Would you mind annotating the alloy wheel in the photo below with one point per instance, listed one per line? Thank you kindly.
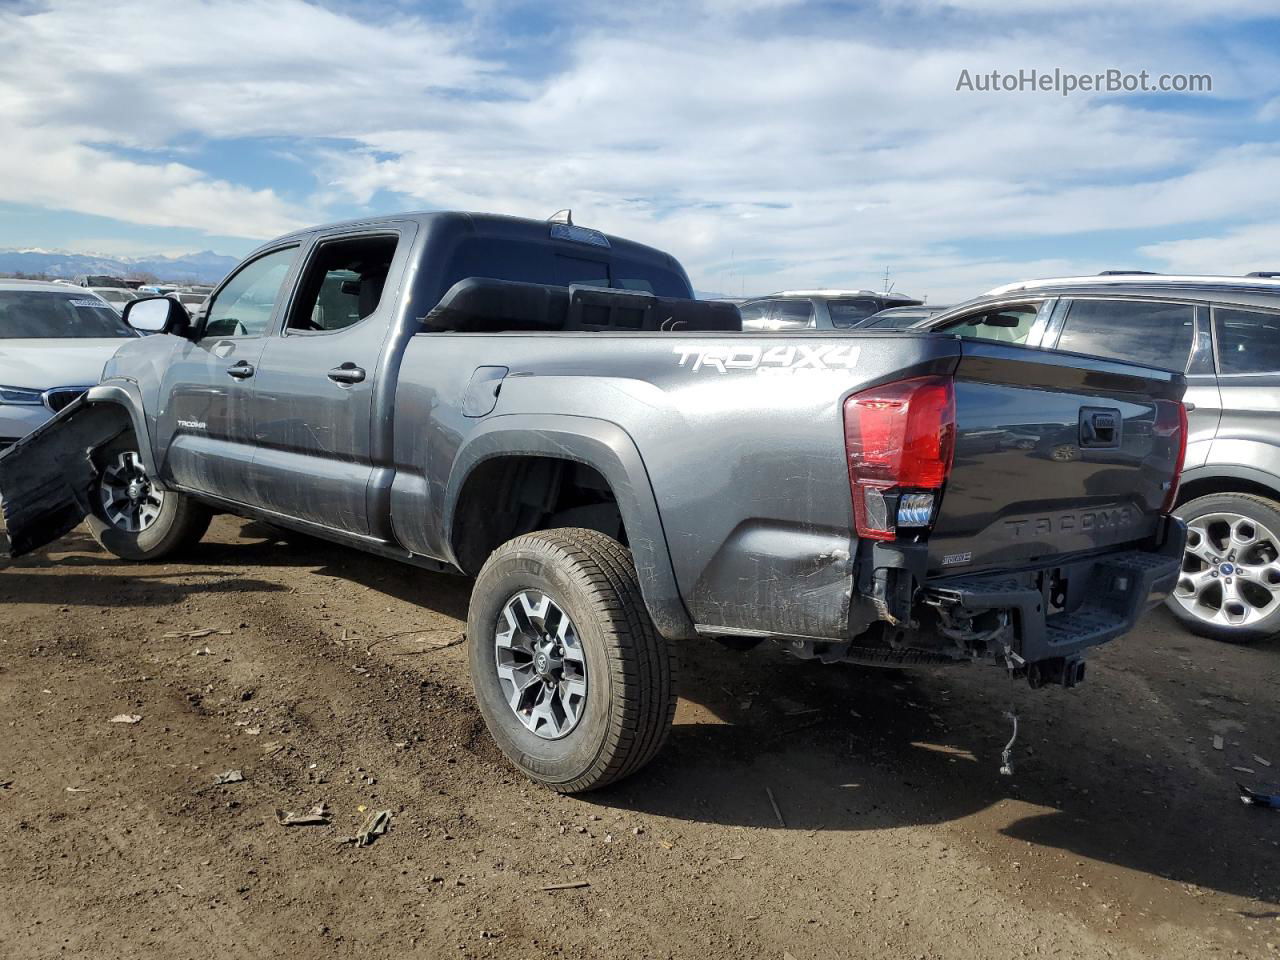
(1230, 571)
(130, 501)
(541, 666)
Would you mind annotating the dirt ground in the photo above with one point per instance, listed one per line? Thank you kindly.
(330, 678)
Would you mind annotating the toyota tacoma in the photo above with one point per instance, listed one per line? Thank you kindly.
(622, 469)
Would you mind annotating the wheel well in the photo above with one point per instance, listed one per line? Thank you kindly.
(508, 496)
(1205, 486)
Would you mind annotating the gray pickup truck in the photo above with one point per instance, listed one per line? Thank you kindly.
(545, 408)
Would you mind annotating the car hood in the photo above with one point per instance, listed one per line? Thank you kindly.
(44, 363)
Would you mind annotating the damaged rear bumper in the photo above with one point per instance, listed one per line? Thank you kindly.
(1042, 620)
(1038, 620)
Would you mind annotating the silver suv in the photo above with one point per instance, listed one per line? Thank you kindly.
(817, 309)
(1224, 333)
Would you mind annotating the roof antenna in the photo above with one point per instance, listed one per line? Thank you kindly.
(568, 217)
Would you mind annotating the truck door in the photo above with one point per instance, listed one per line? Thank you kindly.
(316, 417)
(204, 429)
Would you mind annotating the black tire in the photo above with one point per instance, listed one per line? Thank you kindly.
(1257, 510)
(631, 696)
(180, 524)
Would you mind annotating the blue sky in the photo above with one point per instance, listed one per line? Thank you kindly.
(766, 143)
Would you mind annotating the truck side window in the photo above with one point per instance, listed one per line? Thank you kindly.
(342, 284)
(1248, 340)
(243, 307)
(1157, 334)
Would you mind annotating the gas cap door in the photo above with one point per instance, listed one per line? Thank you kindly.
(482, 392)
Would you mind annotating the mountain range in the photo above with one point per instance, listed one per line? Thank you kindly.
(203, 267)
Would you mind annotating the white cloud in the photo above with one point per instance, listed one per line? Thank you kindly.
(1233, 252)
(66, 175)
(1179, 9)
(244, 68)
(722, 132)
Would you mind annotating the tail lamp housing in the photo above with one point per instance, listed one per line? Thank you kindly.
(1171, 422)
(900, 440)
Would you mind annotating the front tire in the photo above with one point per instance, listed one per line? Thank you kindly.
(132, 516)
(1229, 587)
(575, 683)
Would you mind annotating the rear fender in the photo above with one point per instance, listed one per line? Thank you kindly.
(611, 451)
(47, 476)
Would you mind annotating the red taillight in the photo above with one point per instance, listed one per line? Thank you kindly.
(899, 436)
(1171, 422)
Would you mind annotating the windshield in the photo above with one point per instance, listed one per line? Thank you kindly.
(40, 314)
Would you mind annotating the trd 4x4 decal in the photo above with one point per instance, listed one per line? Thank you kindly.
(756, 359)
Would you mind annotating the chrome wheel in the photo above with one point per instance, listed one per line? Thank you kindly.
(1230, 572)
(540, 663)
(130, 501)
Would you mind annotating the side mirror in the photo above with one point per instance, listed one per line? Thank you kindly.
(157, 315)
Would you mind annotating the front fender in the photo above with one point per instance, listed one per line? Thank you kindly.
(609, 449)
(126, 394)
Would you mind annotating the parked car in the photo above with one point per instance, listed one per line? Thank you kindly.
(547, 409)
(192, 301)
(896, 317)
(117, 297)
(1224, 333)
(99, 280)
(54, 341)
(817, 309)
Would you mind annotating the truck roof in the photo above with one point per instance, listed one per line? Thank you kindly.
(502, 226)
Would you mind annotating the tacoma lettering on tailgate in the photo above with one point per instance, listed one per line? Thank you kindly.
(1109, 518)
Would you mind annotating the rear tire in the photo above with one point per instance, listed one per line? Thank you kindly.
(155, 524)
(1229, 587)
(621, 664)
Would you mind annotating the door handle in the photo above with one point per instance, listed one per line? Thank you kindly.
(1099, 428)
(1190, 407)
(241, 371)
(347, 373)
